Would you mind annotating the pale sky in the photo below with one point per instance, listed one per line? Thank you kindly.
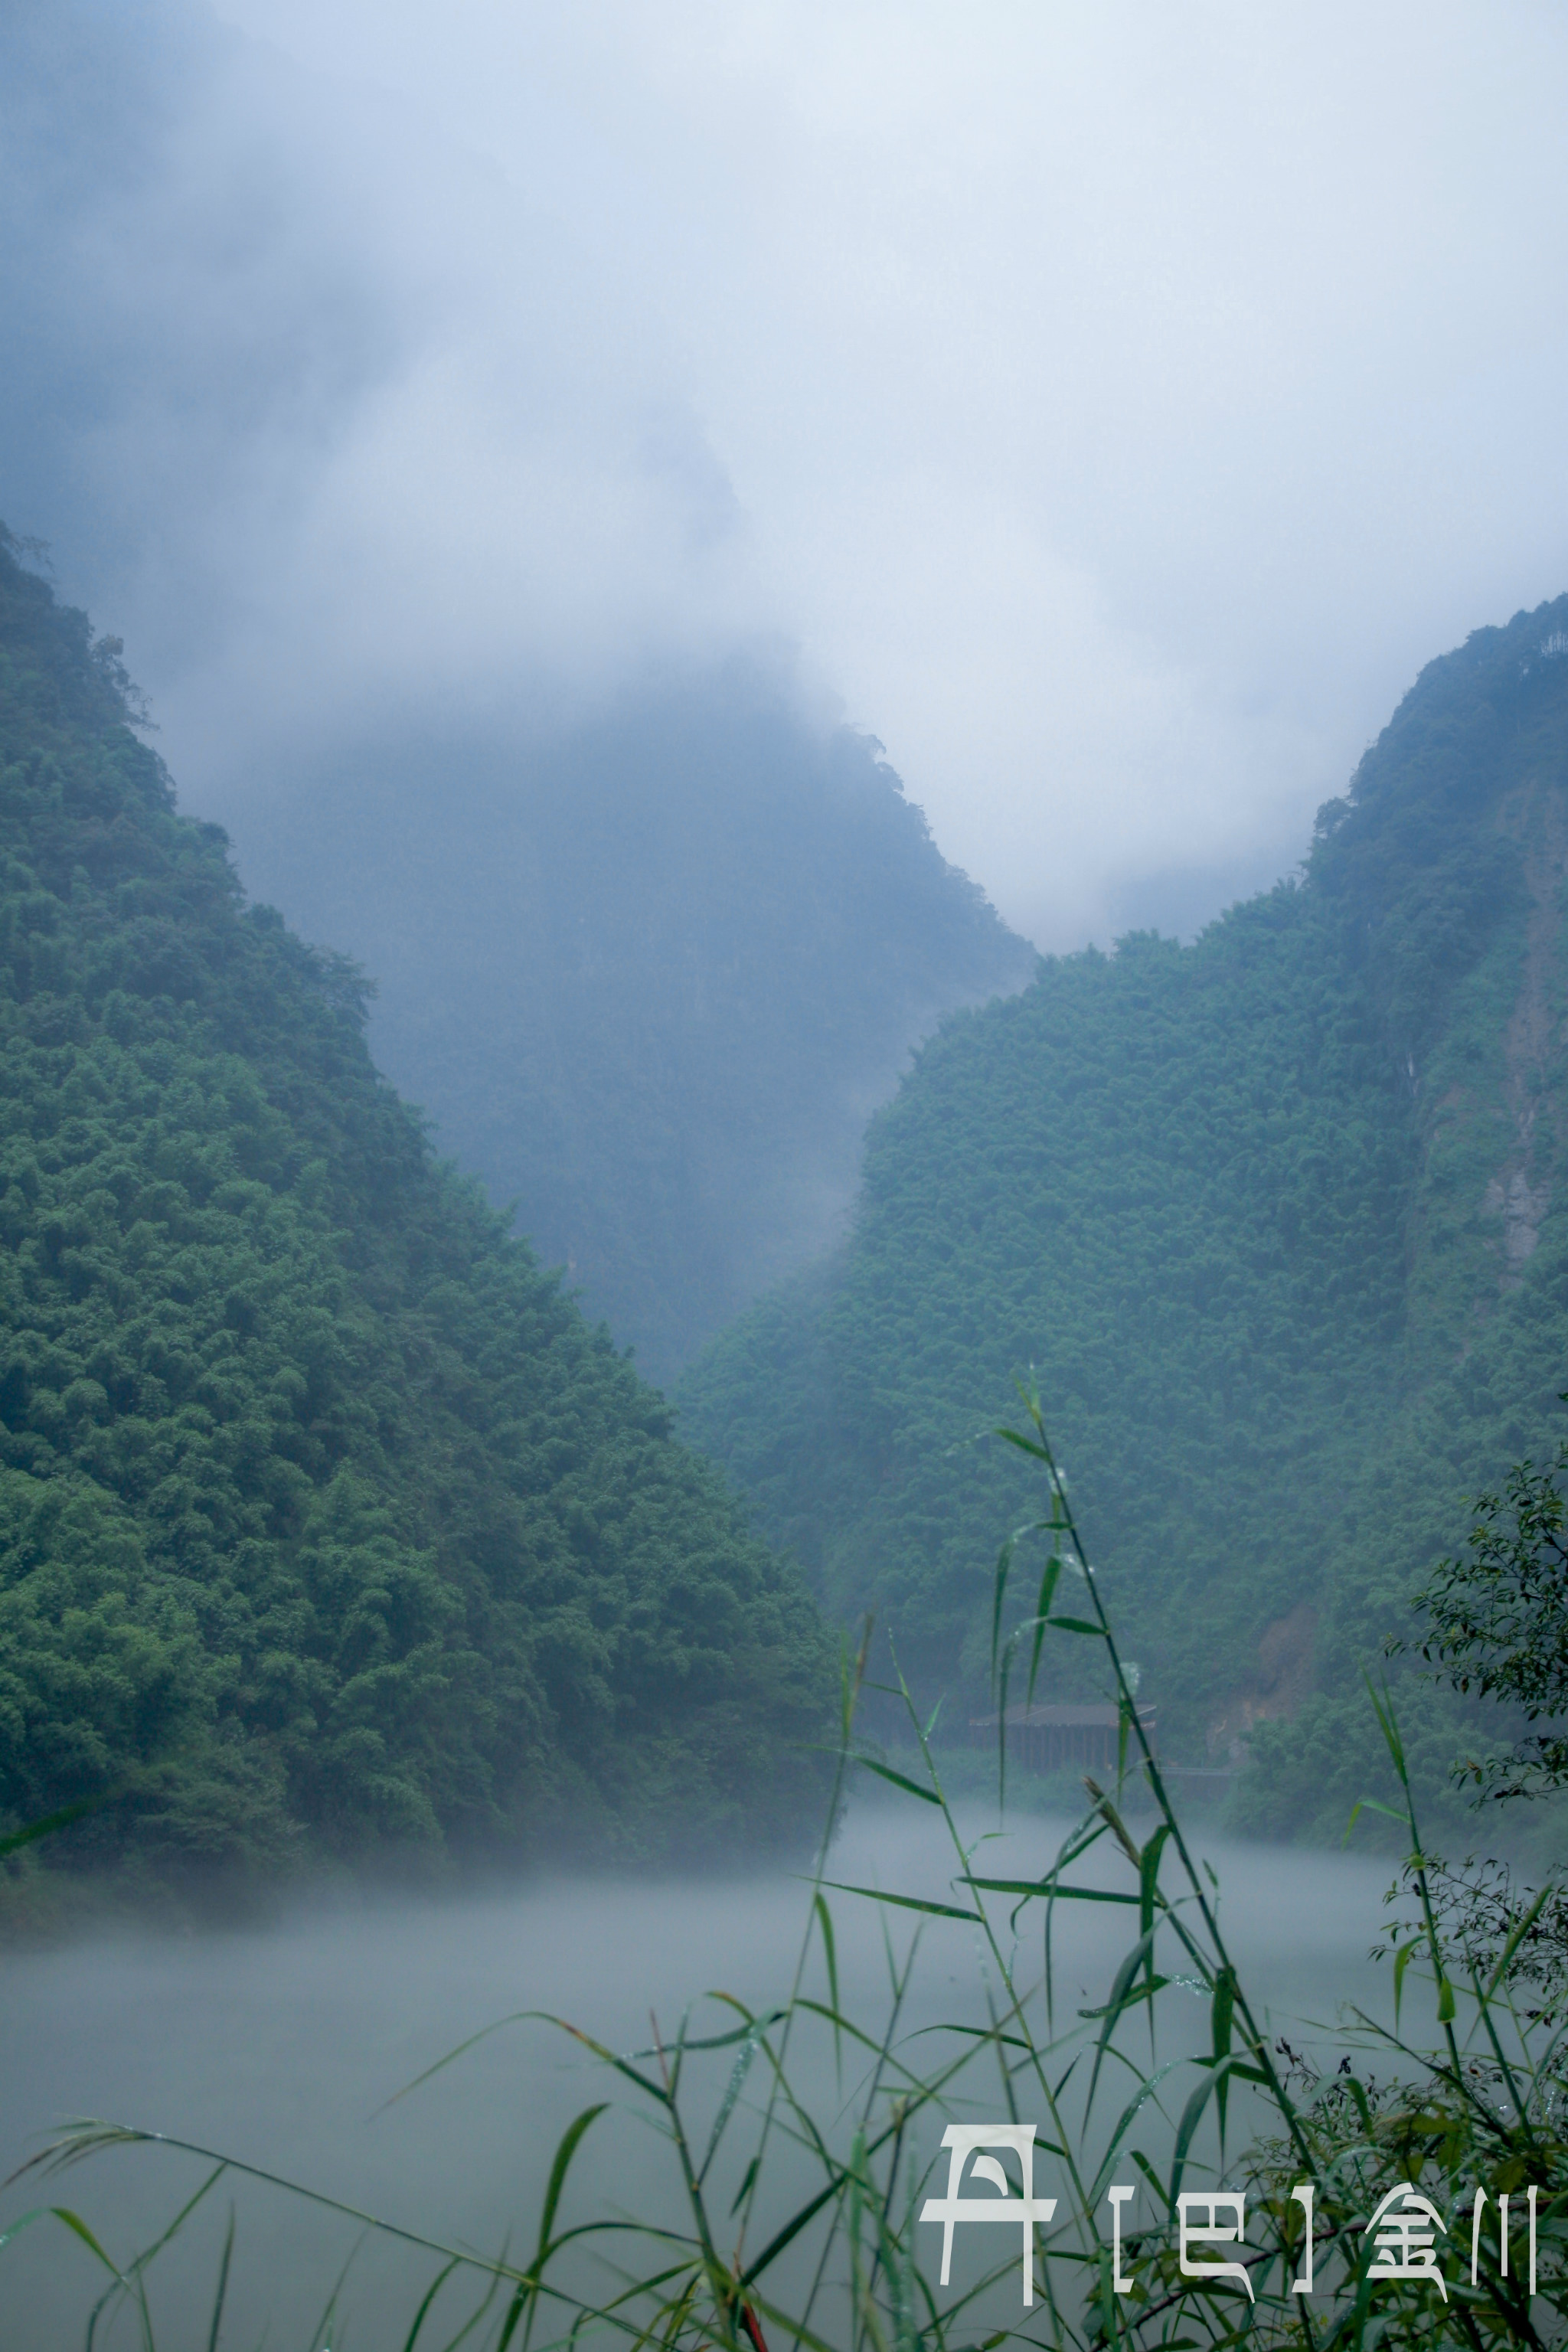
(1109, 406)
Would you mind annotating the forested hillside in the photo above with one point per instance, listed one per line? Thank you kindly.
(1276, 1217)
(649, 973)
(326, 1522)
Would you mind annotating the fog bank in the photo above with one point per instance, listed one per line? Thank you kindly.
(282, 2047)
(1112, 412)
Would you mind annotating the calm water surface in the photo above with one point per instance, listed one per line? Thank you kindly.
(280, 2045)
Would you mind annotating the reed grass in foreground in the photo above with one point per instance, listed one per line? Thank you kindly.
(794, 2214)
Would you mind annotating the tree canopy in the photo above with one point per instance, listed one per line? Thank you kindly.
(1276, 1218)
(327, 1524)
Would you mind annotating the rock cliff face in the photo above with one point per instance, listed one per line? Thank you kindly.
(1536, 817)
(1278, 1219)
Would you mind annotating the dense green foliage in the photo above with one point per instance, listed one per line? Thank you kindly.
(325, 1520)
(649, 975)
(1275, 1216)
(1496, 1624)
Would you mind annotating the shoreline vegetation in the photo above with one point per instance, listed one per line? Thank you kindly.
(1460, 2098)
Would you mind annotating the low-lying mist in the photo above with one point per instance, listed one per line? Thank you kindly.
(281, 2046)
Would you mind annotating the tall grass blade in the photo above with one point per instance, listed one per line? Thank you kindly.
(216, 2330)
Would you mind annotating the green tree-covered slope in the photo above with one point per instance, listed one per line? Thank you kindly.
(326, 1522)
(648, 974)
(1278, 1219)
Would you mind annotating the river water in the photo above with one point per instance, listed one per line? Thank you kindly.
(280, 2046)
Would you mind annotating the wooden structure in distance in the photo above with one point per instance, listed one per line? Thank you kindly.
(1050, 1739)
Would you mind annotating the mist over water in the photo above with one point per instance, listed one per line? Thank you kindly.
(279, 2045)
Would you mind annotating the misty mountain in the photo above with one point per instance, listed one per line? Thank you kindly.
(327, 1525)
(648, 974)
(1278, 1220)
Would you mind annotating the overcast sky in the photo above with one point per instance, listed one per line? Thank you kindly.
(1111, 406)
